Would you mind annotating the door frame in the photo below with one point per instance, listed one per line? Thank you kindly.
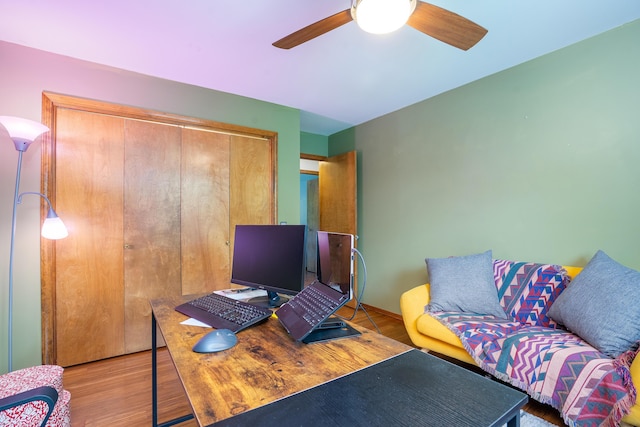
(51, 102)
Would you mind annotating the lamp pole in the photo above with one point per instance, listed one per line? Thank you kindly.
(13, 235)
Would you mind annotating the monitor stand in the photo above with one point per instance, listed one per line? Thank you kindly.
(272, 300)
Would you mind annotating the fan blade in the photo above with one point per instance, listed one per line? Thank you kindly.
(446, 26)
(314, 30)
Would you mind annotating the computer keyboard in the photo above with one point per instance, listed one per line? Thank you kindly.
(222, 312)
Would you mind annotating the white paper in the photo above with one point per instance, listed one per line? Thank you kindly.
(194, 322)
(243, 295)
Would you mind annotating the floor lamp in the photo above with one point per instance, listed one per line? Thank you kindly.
(23, 132)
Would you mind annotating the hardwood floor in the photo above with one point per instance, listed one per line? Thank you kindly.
(117, 392)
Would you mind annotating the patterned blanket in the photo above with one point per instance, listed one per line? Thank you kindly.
(532, 353)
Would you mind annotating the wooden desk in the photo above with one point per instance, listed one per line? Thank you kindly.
(266, 365)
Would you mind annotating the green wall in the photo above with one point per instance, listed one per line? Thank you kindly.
(342, 142)
(311, 143)
(25, 74)
(538, 163)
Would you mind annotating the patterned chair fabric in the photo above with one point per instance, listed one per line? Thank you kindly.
(34, 412)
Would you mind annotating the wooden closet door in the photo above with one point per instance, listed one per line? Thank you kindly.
(89, 294)
(205, 211)
(252, 182)
(151, 224)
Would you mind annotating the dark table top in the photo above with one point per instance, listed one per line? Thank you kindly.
(411, 389)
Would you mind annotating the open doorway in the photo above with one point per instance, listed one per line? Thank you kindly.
(309, 209)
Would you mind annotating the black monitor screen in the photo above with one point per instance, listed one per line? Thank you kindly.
(335, 261)
(270, 257)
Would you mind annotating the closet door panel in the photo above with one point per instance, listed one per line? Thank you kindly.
(252, 184)
(151, 224)
(205, 211)
(89, 294)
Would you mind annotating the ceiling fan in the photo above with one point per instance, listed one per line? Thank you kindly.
(432, 20)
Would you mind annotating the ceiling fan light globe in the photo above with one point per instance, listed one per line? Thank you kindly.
(382, 16)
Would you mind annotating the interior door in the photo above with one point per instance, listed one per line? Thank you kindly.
(338, 194)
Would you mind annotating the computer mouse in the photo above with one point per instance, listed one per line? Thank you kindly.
(218, 340)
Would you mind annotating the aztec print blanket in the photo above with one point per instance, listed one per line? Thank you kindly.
(534, 354)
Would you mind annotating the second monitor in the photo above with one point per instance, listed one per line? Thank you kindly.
(335, 261)
(270, 257)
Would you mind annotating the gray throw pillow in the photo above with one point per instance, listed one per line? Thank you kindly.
(601, 305)
(465, 284)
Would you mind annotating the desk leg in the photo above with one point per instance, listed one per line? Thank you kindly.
(154, 371)
(154, 382)
(515, 421)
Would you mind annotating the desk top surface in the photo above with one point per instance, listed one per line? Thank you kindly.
(266, 365)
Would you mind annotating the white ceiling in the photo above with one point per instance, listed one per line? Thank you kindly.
(338, 80)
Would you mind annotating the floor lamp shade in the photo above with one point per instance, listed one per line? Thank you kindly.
(22, 131)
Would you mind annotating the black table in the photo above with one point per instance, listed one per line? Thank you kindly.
(411, 389)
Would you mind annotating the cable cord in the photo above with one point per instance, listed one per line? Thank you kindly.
(361, 293)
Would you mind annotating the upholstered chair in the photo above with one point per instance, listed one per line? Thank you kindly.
(25, 396)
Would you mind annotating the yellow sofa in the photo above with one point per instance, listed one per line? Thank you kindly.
(428, 333)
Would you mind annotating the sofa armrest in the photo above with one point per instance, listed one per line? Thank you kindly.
(633, 417)
(635, 371)
(412, 304)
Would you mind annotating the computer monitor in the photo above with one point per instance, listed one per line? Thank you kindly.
(269, 257)
(335, 261)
